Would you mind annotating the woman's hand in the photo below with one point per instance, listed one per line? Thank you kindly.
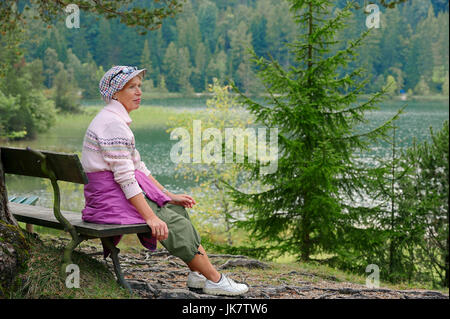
(182, 200)
(158, 227)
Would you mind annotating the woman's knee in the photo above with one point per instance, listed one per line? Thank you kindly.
(182, 242)
(180, 210)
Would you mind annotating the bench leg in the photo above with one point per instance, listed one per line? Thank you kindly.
(67, 257)
(107, 241)
(29, 228)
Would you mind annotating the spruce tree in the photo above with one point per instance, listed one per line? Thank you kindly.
(307, 207)
(423, 200)
(146, 61)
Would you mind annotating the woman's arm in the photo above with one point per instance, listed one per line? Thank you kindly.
(158, 227)
(182, 200)
(165, 191)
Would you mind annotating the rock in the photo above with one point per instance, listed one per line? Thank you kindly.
(248, 263)
(274, 290)
(143, 288)
(138, 285)
(177, 293)
(152, 290)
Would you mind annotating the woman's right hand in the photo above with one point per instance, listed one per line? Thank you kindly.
(158, 227)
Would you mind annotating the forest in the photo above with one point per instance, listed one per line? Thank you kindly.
(315, 98)
(210, 39)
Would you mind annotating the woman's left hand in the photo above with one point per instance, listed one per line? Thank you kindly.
(182, 200)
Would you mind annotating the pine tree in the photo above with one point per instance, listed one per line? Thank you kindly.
(104, 49)
(170, 68)
(184, 71)
(424, 200)
(198, 73)
(189, 35)
(305, 209)
(207, 16)
(146, 61)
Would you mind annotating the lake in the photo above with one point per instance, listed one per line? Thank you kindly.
(151, 121)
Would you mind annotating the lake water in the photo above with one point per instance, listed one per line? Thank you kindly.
(154, 143)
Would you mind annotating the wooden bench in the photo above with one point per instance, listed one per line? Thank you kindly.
(31, 200)
(62, 167)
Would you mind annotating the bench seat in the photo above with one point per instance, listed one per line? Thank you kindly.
(60, 167)
(43, 216)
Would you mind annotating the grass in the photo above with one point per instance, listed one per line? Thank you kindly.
(325, 271)
(68, 132)
(41, 279)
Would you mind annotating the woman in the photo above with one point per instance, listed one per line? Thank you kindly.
(121, 189)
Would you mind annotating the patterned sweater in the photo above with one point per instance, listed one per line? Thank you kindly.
(109, 146)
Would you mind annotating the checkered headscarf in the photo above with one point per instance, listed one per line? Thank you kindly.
(115, 79)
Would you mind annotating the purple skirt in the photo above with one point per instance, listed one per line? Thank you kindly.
(105, 203)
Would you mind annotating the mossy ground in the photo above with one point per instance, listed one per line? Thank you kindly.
(41, 278)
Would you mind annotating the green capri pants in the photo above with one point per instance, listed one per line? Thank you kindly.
(183, 240)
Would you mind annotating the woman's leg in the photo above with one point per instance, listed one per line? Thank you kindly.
(201, 264)
(184, 241)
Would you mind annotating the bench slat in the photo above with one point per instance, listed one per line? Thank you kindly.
(20, 199)
(67, 167)
(43, 216)
(31, 200)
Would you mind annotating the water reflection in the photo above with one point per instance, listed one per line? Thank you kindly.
(154, 144)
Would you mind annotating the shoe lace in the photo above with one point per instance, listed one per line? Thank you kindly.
(230, 281)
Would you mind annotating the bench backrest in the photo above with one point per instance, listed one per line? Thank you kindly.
(20, 161)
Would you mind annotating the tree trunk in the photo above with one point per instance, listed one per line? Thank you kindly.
(13, 245)
(4, 212)
(446, 278)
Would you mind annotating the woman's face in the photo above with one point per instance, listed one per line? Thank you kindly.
(130, 95)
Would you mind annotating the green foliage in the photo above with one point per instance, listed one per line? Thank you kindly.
(65, 95)
(413, 38)
(9, 108)
(25, 110)
(214, 212)
(146, 60)
(422, 87)
(13, 12)
(391, 86)
(304, 211)
(424, 199)
(404, 229)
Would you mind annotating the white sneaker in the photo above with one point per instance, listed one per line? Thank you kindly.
(225, 286)
(196, 280)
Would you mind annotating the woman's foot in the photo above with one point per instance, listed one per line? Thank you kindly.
(196, 280)
(226, 286)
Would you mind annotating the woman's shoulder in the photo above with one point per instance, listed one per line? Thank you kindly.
(107, 124)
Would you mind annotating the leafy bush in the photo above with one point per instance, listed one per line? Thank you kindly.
(24, 110)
